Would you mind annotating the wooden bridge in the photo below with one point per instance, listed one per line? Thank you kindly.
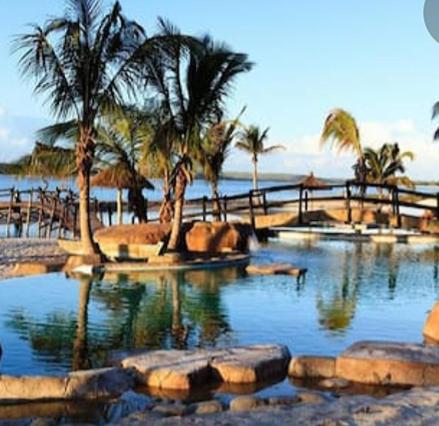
(55, 213)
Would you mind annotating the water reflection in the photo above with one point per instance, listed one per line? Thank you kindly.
(149, 310)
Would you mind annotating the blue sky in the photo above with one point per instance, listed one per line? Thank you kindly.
(374, 58)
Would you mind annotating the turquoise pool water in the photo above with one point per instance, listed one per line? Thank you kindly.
(353, 291)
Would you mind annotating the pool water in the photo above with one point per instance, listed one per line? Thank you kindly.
(353, 291)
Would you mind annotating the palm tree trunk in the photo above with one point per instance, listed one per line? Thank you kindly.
(180, 189)
(84, 161)
(255, 174)
(80, 361)
(216, 204)
(119, 206)
(165, 212)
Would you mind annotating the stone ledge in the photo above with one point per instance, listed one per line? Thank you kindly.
(312, 367)
(183, 370)
(90, 384)
(389, 363)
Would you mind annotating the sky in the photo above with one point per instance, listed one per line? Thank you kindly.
(373, 58)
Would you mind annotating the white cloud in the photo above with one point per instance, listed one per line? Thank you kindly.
(304, 154)
(4, 133)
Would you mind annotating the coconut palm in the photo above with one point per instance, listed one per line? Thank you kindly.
(83, 61)
(214, 151)
(383, 164)
(341, 130)
(252, 141)
(191, 81)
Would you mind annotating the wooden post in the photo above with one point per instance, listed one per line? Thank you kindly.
(306, 200)
(225, 207)
(397, 207)
(52, 216)
(204, 209)
(9, 217)
(251, 210)
(437, 205)
(41, 212)
(75, 219)
(348, 203)
(110, 213)
(29, 212)
(264, 203)
(146, 210)
(300, 205)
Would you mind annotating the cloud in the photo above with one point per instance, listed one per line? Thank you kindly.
(304, 153)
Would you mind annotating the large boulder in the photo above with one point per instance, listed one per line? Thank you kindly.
(142, 233)
(217, 237)
(431, 327)
(170, 369)
(389, 363)
(312, 367)
(90, 384)
(251, 364)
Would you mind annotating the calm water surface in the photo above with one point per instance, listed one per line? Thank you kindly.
(51, 324)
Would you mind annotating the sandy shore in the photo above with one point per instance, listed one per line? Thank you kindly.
(14, 251)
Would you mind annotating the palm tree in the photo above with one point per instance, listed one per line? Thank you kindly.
(383, 164)
(84, 62)
(252, 141)
(342, 131)
(214, 151)
(191, 82)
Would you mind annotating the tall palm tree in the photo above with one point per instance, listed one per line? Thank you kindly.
(83, 61)
(214, 151)
(383, 165)
(342, 131)
(252, 141)
(191, 81)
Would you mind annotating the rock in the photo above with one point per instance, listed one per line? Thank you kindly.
(141, 233)
(275, 269)
(208, 407)
(128, 403)
(245, 403)
(308, 397)
(431, 327)
(252, 363)
(389, 363)
(90, 384)
(171, 410)
(99, 383)
(27, 388)
(312, 367)
(334, 383)
(170, 369)
(218, 237)
(285, 401)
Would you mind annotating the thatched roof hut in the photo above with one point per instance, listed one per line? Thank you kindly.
(118, 177)
(311, 182)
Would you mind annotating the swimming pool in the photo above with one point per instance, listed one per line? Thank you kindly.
(353, 291)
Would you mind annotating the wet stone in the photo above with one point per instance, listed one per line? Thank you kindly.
(245, 403)
(208, 407)
(286, 401)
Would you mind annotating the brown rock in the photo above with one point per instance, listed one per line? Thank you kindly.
(334, 383)
(307, 397)
(431, 327)
(208, 407)
(170, 369)
(283, 401)
(27, 388)
(171, 410)
(245, 403)
(251, 364)
(142, 233)
(389, 363)
(217, 237)
(30, 268)
(96, 384)
(311, 367)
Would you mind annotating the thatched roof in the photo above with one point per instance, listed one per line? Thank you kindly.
(118, 177)
(311, 182)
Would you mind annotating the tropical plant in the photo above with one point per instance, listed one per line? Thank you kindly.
(84, 62)
(341, 130)
(252, 140)
(120, 140)
(191, 81)
(383, 165)
(215, 149)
